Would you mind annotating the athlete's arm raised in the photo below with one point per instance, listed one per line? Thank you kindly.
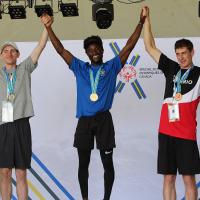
(39, 48)
(65, 54)
(125, 52)
(149, 41)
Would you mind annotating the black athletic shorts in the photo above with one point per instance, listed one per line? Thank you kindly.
(15, 144)
(177, 154)
(99, 126)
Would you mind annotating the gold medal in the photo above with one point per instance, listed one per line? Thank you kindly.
(94, 97)
(178, 96)
(11, 97)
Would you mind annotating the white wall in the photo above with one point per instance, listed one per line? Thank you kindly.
(136, 123)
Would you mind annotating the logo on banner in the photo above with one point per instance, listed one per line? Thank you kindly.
(128, 74)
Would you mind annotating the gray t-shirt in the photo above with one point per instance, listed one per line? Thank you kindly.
(22, 106)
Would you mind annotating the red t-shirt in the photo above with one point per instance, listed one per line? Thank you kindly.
(185, 128)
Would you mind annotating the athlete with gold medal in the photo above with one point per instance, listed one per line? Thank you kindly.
(96, 82)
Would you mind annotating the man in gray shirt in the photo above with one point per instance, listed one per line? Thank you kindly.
(15, 110)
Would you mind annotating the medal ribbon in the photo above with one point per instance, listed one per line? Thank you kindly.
(179, 80)
(10, 81)
(94, 82)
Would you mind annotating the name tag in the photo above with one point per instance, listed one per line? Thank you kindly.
(173, 112)
(7, 111)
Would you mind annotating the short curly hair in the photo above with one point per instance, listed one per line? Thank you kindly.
(92, 40)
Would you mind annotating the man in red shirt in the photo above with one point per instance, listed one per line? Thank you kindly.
(178, 150)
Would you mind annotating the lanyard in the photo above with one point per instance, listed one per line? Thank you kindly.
(94, 82)
(10, 81)
(179, 80)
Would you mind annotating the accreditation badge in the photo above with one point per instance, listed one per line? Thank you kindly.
(173, 112)
(7, 111)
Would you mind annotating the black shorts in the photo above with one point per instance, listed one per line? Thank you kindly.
(177, 154)
(100, 126)
(15, 144)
